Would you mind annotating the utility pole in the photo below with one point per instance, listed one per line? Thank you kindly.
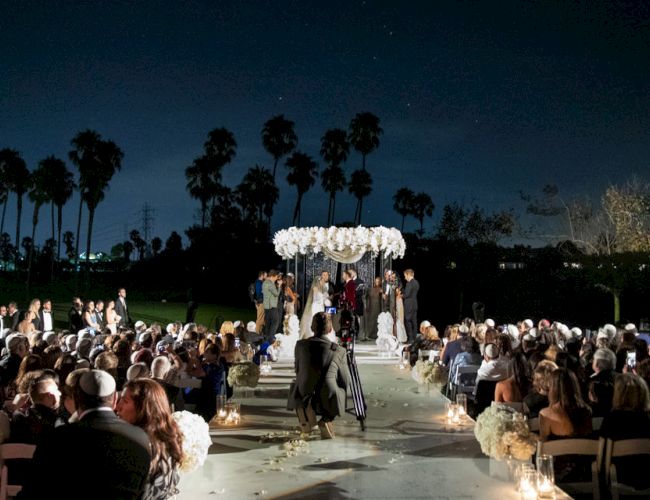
(148, 215)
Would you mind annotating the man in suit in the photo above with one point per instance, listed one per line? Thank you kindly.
(270, 294)
(410, 297)
(13, 316)
(75, 318)
(99, 314)
(121, 308)
(3, 318)
(99, 445)
(45, 318)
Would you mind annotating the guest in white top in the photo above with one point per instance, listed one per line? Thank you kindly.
(494, 367)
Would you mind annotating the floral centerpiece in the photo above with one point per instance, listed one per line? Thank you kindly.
(352, 240)
(196, 439)
(503, 433)
(245, 374)
(426, 372)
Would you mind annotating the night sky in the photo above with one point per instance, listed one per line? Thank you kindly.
(477, 100)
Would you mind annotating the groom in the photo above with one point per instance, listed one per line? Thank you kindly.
(410, 297)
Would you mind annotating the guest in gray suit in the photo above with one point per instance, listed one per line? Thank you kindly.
(322, 379)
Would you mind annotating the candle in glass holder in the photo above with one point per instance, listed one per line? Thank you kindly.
(451, 411)
(545, 476)
(528, 485)
(461, 401)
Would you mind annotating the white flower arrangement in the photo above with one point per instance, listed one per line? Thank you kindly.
(304, 240)
(196, 439)
(427, 372)
(502, 432)
(245, 374)
(386, 342)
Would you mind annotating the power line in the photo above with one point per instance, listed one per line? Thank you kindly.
(148, 220)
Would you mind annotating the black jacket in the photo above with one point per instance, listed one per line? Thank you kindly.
(122, 312)
(75, 320)
(107, 457)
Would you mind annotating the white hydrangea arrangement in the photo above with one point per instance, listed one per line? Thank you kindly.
(427, 372)
(245, 374)
(196, 439)
(502, 432)
(304, 240)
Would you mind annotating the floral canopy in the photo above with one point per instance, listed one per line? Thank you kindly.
(341, 244)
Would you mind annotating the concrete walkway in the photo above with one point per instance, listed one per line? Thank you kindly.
(408, 451)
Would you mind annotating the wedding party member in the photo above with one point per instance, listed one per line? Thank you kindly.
(359, 305)
(99, 314)
(45, 318)
(122, 309)
(317, 299)
(374, 299)
(410, 297)
(291, 297)
(75, 320)
(90, 317)
(97, 441)
(322, 379)
(271, 293)
(35, 307)
(144, 404)
(13, 316)
(26, 326)
(349, 297)
(112, 318)
(390, 285)
(259, 301)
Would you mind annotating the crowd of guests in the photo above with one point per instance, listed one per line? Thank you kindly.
(562, 376)
(98, 397)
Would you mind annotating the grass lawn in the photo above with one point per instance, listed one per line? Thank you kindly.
(167, 312)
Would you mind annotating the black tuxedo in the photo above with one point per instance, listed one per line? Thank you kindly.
(99, 315)
(122, 312)
(13, 320)
(410, 298)
(103, 456)
(41, 321)
(75, 319)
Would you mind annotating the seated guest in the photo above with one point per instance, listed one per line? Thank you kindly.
(160, 369)
(537, 398)
(42, 415)
(250, 336)
(98, 442)
(452, 347)
(230, 352)
(144, 404)
(136, 371)
(213, 381)
(470, 355)
(643, 370)
(567, 414)
(18, 348)
(629, 419)
(601, 383)
(494, 367)
(427, 341)
(515, 388)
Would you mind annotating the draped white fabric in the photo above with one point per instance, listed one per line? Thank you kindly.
(347, 256)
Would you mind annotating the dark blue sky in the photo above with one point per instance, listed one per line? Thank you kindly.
(478, 100)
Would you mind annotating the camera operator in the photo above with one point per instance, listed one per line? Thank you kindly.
(322, 379)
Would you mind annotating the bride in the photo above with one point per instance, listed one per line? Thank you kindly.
(317, 300)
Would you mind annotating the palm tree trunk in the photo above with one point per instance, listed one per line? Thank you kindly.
(363, 162)
(421, 226)
(4, 211)
(204, 208)
(37, 206)
(333, 208)
(76, 247)
(296, 211)
(58, 240)
(329, 211)
(53, 240)
(275, 166)
(19, 211)
(356, 212)
(360, 210)
(403, 217)
(91, 217)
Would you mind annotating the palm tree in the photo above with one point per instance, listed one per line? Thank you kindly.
(257, 193)
(17, 180)
(201, 184)
(403, 203)
(220, 149)
(97, 161)
(63, 186)
(39, 194)
(4, 188)
(138, 243)
(156, 245)
(68, 241)
(127, 247)
(335, 149)
(360, 186)
(364, 135)
(303, 171)
(422, 206)
(279, 138)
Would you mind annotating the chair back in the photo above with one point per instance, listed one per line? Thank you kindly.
(484, 394)
(12, 451)
(519, 407)
(624, 448)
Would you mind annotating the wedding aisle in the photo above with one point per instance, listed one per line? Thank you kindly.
(408, 450)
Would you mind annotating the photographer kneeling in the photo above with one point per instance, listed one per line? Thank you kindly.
(322, 379)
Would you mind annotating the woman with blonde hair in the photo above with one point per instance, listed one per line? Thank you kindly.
(630, 415)
(537, 398)
(26, 326)
(35, 307)
(429, 341)
(227, 327)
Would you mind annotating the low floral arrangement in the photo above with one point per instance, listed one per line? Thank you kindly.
(304, 240)
(502, 432)
(386, 342)
(427, 372)
(245, 374)
(196, 439)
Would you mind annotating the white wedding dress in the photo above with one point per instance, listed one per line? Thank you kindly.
(400, 329)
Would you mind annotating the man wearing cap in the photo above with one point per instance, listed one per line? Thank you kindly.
(108, 457)
(494, 367)
(250, 335)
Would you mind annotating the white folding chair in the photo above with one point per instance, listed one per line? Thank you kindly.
(624, 448)
(576, 446)
(12, 451)
(518, 407)
(463, 372)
